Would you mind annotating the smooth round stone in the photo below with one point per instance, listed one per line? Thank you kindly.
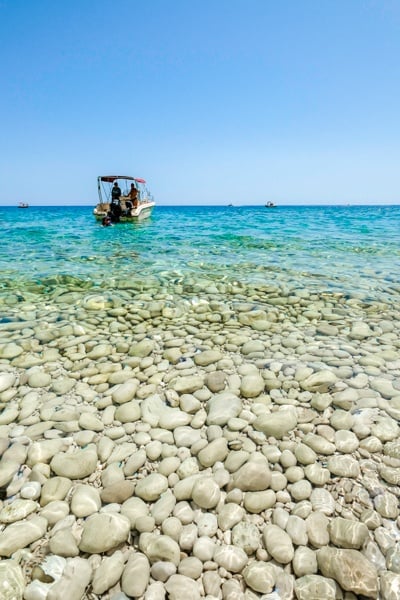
(260, 576)
(257, 502)
(151, 487)
(390, 475)
(341, 419)
(12, 582)
(322, 501)
(170, 418)
(207, 357)
(76, 465)
(108, 573)
(55, 488)
(235, 460)
(154, 450)
(188, 537)
(294, 474)
(371, 518)
(387, 505)
(384, 387)
(186, 436)
(212, 584)
(187, 384)
(393, 559)
(172, 527)
(85, 501)
(231, 558)
(317, 529)
(316, 474)
(230, 514)
(180, 587)
(142, 349)
(207, 524)
(276, 424)
(217, 450)
(343, 466)
(125, 391)
(136, 575)
(19, 535)
(304, 562)
(184, 512)
(346, 441)
(301, 490)
(389, 585)
(163, 507)
(134, 509)
(31, 490)
(206, 492)
(346, 533)
(315, 587)
(10, 351)
(385, 429)
(203, 548)
(297, 530)
(117, 492)
(319, 444)
(222, 407)
(252, 385)
(318, 382)
(252, 346)
(215, 381)
(246, 536)
(55, 511)
(17, 510)
(278, 544)
(39, 379)
(63, 543)
(253, 476)
(104, 531)
(7, 380)
(162, 570)
(350, 569)
(190, 567)
(160, 547)
(188, 467)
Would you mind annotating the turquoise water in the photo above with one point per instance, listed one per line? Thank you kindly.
(349, 250)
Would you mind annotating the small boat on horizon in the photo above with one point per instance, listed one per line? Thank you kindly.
(23, 205)
(123, 198)
(270, 205)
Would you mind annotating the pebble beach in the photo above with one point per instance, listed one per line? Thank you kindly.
(200, 410)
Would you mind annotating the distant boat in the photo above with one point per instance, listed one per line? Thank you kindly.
(270, 205)
(125, 208)
(23, 205)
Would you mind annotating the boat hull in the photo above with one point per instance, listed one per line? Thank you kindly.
(143, 211)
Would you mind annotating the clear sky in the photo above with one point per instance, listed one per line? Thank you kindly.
(211, 101)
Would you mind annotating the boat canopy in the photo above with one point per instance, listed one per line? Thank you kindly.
(112, 178)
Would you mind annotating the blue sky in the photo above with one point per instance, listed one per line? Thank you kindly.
(211, 101)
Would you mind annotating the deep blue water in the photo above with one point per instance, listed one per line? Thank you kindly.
(354, 250)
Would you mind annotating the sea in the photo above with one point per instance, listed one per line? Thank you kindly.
(349, 250)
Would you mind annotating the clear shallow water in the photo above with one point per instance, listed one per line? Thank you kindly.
(348, 250)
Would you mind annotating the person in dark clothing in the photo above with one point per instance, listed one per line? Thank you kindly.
(115, 193)
(115, 206)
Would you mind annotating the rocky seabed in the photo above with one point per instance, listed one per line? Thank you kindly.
(236, 445)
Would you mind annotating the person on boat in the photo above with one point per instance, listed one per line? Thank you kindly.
(116, 211)
(115, 193)
(133, 195)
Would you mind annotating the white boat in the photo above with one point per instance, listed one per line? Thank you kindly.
(23, 205)
(133, 201)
